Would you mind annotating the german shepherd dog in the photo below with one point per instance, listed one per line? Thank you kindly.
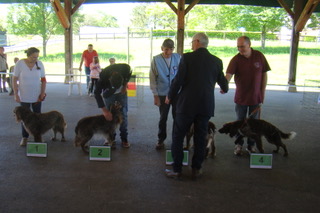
(210, 140)
(87, 127)
(255, 129)
(37, 124)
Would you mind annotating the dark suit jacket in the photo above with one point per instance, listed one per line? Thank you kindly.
(193, 87)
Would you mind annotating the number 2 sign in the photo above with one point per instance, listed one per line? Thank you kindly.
(100, 153)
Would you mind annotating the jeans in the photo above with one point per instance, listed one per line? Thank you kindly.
(87, 70)
(36, 107)
(164, 111)
(181, 125)
(123, 100)
(242, 111)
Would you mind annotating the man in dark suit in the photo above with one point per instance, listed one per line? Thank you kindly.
(193, 90)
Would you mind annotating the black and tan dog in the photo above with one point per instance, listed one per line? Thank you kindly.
(87, 127)
(255, 129)
(210, 140)
(36, 124)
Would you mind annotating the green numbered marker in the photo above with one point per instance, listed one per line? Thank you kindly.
(100, 153)
(261, 161)
(36, 149)
(185, 161)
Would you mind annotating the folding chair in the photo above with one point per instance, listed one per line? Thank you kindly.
(74, 79)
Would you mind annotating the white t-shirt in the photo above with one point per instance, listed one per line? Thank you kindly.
(29, 80)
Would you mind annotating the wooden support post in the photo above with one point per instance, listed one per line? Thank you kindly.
(298, 8)
(180, 32)
(68, 40)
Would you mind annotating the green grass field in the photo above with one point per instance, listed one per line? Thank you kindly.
(141, 50)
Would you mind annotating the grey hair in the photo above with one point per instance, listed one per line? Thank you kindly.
(203, 39)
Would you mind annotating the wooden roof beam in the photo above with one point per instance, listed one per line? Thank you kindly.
(175, 10)
(287, 8)
(305, 15)
(62, 16)
(76, 7)
(193, 3)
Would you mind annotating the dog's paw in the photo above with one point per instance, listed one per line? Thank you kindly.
(53, 138)
(63, 140)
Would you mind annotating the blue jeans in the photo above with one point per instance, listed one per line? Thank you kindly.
(123, 100)
(36, 107)
(164, 111)
(242, 112)
(87, 69)
(181, 125)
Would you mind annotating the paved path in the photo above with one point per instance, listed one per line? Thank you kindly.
(134, 180)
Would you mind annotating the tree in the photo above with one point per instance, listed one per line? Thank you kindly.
(100, 19)
(139, 16)
(252, 18)
(160, 15)
(156, 15)
(203, 17)
(35, 19)
(314, 21)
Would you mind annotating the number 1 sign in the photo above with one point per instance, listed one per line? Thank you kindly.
(36, 149)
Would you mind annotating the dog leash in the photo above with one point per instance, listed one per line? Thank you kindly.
(245, 120)
(256, 110)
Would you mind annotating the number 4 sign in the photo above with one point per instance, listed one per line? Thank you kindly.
(261, 161)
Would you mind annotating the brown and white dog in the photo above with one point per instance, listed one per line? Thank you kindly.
(210, 140)
(36, 124)
(255, 129)
(87, 127)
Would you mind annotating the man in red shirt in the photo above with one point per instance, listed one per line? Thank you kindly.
(87, 57)
(249, 68)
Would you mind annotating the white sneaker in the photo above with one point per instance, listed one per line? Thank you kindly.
(23, 141)
(251, 149)
(238, 149)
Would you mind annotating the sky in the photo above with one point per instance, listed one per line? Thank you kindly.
(119, 10)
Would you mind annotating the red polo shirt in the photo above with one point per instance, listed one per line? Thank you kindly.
(248, 77)
(88, 57)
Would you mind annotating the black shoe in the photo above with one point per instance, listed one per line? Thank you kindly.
(196, 173)
(172, 174)
(160, 145)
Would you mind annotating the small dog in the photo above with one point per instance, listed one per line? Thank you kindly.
(210, 148)
(37, 124)
(255, 129)
(87, 127)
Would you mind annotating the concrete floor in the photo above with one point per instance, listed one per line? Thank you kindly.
(134, 180)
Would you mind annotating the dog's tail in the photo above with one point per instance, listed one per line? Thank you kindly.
(288, 136)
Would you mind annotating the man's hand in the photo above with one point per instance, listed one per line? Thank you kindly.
(17, 98)
(156, 100)
(167, 101)
(107, 114)
(124, 90)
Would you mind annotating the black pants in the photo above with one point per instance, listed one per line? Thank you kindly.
(164, 111)
(181, 125)
(92, 85)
